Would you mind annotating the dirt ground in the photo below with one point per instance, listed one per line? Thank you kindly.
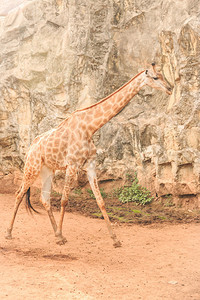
(157, 261)
(159, 210)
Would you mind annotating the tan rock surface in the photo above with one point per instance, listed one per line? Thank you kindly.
(57, 56)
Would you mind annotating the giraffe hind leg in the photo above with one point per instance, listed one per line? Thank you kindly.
(28, 179)
(70, 177)
(19, 197)
(46, 177)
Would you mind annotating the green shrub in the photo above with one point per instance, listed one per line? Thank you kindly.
(78, 191)
(103, 193)
(135, 193)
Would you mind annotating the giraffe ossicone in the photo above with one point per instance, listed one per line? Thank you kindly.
(69, 147)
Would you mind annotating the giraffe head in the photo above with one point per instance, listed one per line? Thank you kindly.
(156, 80)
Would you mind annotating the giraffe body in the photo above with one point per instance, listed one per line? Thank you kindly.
(69, 147)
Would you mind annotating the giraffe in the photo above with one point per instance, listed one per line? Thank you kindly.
(69, 147)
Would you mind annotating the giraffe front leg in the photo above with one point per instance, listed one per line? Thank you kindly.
(69, 178)
(95, 188)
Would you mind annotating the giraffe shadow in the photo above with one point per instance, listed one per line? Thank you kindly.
(36, 253)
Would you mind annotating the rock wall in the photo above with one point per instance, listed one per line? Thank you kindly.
(57, 55)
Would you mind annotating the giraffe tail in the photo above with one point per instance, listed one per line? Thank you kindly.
(29, 207)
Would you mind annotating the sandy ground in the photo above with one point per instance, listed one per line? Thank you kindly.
(155, 262)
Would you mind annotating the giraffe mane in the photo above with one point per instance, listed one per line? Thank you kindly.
(102, 100)
(95, 104)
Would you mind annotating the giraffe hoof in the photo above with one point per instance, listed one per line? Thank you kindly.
(8, 236)
(61, 240)
(117, 244)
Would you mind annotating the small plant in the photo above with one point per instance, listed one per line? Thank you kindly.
(168, 201)
(103, 193)
(78, 191)
(116, 192)
(55, 194)
(161, 217)
(136, 211)
(135, 193)
(129, 177)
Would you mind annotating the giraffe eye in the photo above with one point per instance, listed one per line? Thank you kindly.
(155, 78)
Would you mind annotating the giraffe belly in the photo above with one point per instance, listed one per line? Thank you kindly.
(59, 154)
(54, 163)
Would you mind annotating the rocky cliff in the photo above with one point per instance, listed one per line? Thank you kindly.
(58, 55)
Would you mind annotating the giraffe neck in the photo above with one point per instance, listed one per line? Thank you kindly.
(100, 113)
